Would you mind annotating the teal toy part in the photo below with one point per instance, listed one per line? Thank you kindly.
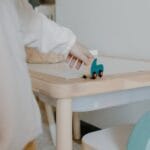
(140, 136)
(96, 68)
(34, 3)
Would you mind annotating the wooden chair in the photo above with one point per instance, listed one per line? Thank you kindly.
(115, 138)
(126, 137)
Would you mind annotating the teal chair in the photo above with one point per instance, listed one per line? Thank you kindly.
(140, 135)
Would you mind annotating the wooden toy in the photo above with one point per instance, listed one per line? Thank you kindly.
(94, 70)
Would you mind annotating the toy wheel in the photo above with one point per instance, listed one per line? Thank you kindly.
(84, 77)
(100, 74)
(94, 75)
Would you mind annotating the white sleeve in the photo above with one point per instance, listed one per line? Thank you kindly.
(42, 33)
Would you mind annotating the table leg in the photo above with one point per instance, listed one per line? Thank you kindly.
(76, 126)
(51, 122)
(64, 124)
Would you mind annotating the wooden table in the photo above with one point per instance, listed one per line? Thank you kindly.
(120, 75)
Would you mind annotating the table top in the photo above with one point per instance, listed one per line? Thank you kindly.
(58, 81)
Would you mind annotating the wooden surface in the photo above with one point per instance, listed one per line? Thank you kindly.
(120, 74)
(31, 146)
(64, 124)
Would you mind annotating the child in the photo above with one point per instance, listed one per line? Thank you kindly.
(21, 27)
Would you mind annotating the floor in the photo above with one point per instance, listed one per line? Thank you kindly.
(44, 141)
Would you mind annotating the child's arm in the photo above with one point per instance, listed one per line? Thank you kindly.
(45, 35)
(41, 33)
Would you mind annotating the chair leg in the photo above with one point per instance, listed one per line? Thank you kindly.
(31, 146)
(76, 126)
(51, 121)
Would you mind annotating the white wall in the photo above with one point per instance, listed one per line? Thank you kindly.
(118, 115)
(120, 27)
(116, 27)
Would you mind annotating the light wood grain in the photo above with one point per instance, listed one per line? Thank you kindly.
(64, 124)
(31, 146)
(76, 126)
(34, 56)
(59, 88)
(115, 79)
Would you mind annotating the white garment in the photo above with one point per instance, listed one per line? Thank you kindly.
(20, 26)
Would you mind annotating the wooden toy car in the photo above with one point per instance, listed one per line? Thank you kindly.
(94, 70)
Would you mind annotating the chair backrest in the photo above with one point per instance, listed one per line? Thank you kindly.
(140, 136)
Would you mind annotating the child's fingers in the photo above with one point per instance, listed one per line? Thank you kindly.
(73, 61)
(88, 54)
(69, 58)
(78, 65)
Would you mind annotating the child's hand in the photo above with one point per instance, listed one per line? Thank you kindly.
(78, 55)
